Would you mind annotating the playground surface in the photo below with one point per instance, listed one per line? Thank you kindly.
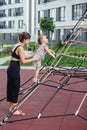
(59, 113)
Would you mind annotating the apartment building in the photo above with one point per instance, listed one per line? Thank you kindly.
(24, 15)
(65, 14)
(16, 16)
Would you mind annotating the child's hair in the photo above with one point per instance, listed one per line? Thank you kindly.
(24, 35)
(39, 39)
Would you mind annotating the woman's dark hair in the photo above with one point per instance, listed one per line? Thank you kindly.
(24, 35)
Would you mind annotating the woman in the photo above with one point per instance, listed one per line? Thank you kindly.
(13, 71)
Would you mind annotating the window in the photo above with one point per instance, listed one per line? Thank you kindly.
(6, 12)
(61, 34)
(18, 1)
(38, 32)
(11, 24)
(15, 1)
(11, 36)
(11, 12)
(20, 24)
(51, 0)
(2, 24)
(38, 1)
(45, 1)
(2, 13)
(21, 10)
(57, 34)
(4, 36)
(60, 14)
(40, 15)
(47, 13)
(41, 1)
(2, 2)
(67, 33)
(77, 11)
(82, 37)
(12, 1)
(9, 1)
(18, 11)
(53, 14)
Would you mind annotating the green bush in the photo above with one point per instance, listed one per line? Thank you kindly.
(60, 44)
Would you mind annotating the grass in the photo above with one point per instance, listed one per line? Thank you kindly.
(69, 62)
(5, 49)
(65, 61)
(4, 55)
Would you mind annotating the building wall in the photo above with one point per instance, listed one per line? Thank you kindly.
(11, 19)
(28, 21)
(29, 17)
(13, 24)
(62, 26)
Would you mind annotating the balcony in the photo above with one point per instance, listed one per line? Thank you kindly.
(2, 3)
(2, 15)
(45, 1)
(3, 27)
(18, 14)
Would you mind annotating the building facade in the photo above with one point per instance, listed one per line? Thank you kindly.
(24, 15)
(64, 13)
(16, 16)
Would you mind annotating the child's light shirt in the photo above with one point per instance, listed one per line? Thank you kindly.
(40, 51)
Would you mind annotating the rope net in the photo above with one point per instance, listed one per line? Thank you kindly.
(69, 70)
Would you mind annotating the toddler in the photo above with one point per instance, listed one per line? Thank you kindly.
(40, 54)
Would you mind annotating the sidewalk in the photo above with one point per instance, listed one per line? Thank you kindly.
(4, 59)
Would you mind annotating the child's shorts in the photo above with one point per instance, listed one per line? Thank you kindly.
(37, 63)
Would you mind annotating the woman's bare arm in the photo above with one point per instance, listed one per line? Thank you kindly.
(29, 55)
(22, 56)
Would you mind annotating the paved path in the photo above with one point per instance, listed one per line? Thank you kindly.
(4, 59)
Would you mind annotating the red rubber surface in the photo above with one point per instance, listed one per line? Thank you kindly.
(63, 103)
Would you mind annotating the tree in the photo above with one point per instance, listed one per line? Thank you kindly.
(47, 26)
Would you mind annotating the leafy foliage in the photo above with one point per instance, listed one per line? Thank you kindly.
(47, 25)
